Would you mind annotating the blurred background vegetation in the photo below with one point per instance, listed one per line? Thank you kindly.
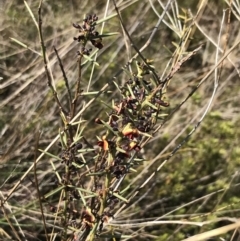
(199, 183)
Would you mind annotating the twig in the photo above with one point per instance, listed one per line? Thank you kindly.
(134, 46)
(37, 185)
(77, 91)
(49, 79)
(218, 74)
(64, 75)
(156, 27)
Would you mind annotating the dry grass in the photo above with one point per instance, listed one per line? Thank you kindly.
(207, 83)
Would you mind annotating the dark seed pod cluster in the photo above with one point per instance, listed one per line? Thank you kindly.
(131, 118)
(69, 155)
(87, 33)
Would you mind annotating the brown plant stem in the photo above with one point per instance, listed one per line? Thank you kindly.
(43, 47)
(64, 76)
(78, 84)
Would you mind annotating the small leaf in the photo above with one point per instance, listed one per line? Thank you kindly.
(146, 102)
(145, 134)
(63, 139)
(138, 160)
(117, 86)
(120, 197)
(57, 174)
(175, 44)
(106, 35)
(131, 92)
(81, 189)
(162, 115)
(53, 192)
(132, 169)
(85, 150)
(78, 166)
(90, 59)
(49, 154)
(110, 107)
(92, 55)
(109, 128)
(121, 150)
(95, 93)
(105, 19)
(96, 174)
(25, 46)
(78, 122)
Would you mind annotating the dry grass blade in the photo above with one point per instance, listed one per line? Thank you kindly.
(31, 14)
(121, 156)
(25, 46)
(37, 184)
(5, 209)
(64, 75)
(213, 233)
